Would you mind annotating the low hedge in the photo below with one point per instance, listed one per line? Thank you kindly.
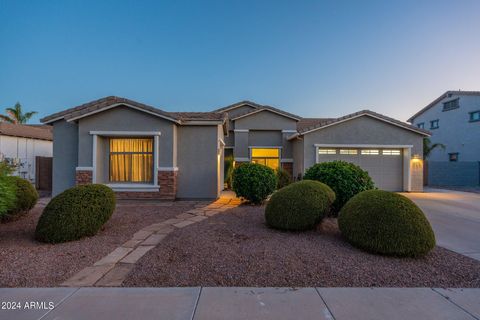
(283, 178)
(299, 206)
(386, 223)
(76, 213)
(254, 182)
(25, 197)
(346, 180)
(7, 196)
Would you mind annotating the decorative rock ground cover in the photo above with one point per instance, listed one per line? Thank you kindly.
(112, 269)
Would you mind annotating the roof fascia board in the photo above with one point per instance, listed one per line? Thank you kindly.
(358, 116)
(121, 104)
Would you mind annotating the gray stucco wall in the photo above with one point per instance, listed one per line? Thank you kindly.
(65, 155)
(241, 145)
(126, 119)
(197, 162)
(236, 112)
(266, 121)
(265, 138)
(362, 130)
(298, 154)
(455, 130)
(443, 173)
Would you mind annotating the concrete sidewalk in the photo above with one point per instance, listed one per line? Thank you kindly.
(240, 303)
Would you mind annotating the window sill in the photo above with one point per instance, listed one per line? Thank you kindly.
(133, 187)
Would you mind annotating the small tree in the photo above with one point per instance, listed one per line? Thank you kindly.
(428, 147)
(16, 115)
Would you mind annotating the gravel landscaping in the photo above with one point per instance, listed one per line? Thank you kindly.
(237, 249)
(25, 262)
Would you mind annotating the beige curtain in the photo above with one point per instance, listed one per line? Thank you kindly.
(131, 160)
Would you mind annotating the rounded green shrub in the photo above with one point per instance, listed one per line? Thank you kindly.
(25, 194)
(283, 178)
(7, 196)
(386, 223)
(254, 182)
(76, 213)
(299, 206)
(346, 180)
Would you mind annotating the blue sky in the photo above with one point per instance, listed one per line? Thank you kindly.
(312, 58)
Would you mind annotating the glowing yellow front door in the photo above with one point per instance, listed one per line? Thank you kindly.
(269, 157)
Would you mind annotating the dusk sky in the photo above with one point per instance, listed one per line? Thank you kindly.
(312, 58)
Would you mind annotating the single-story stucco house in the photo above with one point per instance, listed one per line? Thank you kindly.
(144, 152)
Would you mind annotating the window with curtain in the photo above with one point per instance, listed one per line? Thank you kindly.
(131, 160)
(269, 157)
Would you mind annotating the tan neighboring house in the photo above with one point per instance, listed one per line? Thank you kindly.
(144, 152)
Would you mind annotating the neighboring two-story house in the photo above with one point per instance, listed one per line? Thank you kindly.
(454, 121)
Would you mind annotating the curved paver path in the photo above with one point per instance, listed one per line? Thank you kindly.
(111, 270)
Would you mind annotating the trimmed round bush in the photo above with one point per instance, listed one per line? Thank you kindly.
(283, 178)
(346, 180)
(26, 196)
(299, 206)
(254, 182)
(386, 223)
(76, 213)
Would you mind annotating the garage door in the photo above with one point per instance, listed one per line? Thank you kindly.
(385, 166)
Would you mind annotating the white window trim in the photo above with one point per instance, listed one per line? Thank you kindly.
(84, 169)
(139, 187)
(240, 130)
(134, 187)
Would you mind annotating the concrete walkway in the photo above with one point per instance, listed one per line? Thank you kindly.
(455, 218)
(241, 303)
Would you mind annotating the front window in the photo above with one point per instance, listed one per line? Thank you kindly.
(421, 125)
(453, 157)
(434, 124)
(131, 160)
(450, 105)
(269, 157)
(475, 116)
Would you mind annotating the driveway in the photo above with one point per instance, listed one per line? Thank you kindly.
(455, 218)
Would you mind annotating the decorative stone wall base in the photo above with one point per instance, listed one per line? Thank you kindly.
(83, 177)
(416, 176)
(167, 180)
(288, 166)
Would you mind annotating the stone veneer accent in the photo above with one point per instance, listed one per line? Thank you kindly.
(167, 180)
(288, 166)
(83, 177)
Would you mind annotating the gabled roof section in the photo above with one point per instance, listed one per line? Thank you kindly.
(306, 123)
(103, 104)
(443, 96)
(26, 131)
(358, 114)
(237, 105)
(255, 109)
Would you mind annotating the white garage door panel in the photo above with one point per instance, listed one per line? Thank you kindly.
(385, 170)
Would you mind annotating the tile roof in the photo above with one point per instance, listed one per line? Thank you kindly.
(105, 103)
(185, 116)
(306, 123)
(443, 96)
(26, 131)
(328, 122)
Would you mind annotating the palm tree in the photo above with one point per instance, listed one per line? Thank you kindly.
(428, 147)
(16, 115)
